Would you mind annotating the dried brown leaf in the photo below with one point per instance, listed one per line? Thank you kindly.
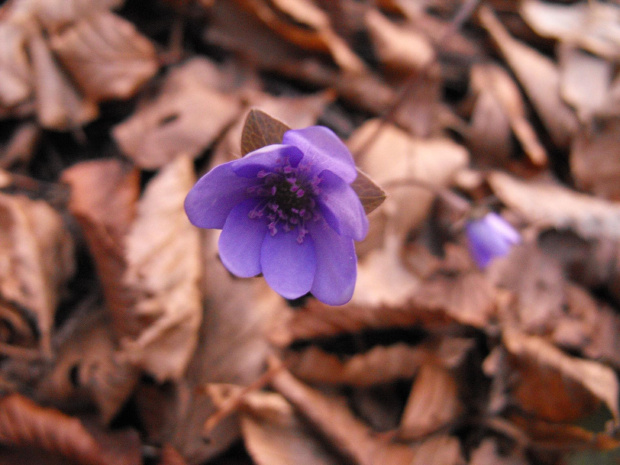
(400, 49)
(26, 425)
(592, 25)
(163, 269)
(59, 105)
(302, 23)
(260, 130)
(87, 371)
(337, 424)
(106, 55)
(55, 15)
(539, 77)
(37, 260)
(548, 204)
(487, 453)
(438, 450)
(594, 161)
(185, 117)
(104, 195)
(274, 435)
(170, 456)
(557, 387)
(15, 72)
(433, 402)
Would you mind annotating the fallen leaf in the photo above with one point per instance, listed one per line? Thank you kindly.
(87, 371)
(554, 386)
(106, 55)
(55, 15)
(592, 25)
(36, 260)
(438, 450)
(30, 427)
(59, 105)
(433, 403)
(548, 204)
(163, 269)
(539, 77)
(336, 423)
(170, 456)
(274, 435)
(488, 453)
(104, 194)
(185, 117)
(15, 71)
(594, 162)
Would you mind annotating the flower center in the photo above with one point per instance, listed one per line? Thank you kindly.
(287, 198)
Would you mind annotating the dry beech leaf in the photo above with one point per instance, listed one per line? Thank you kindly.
(590, 25)
(548, 204)
(274, 435)
(394, 159)
(186, 117)
(337, 424)
(302, 23)
(539, 294)
(260, 130)
(36, 260)
(399, 49)
(554, 386)
(59, 105)
(433, 402)
(318, 320)
(438, 450)
(87, 371)
(31, 428)
(469, 298)
(487, 453)
(585, 81)
(594, 160)
(106, 56)
(493, 82)
(539, 77)
(55, 15)
(104, 194)
(163, 269)
(15, 72)
(170, 456)
(21, 146)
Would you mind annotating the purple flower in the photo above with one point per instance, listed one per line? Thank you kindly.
(288, 211)
(489, 237)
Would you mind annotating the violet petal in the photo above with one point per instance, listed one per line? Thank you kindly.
(241, 240)
(336, 265)
(288, 266)
(265, 158)
(341, 207)
(215, 194)
(324, 150)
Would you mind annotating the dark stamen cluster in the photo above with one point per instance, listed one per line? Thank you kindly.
(287, 194)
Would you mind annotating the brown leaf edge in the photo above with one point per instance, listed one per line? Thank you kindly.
(260, 130)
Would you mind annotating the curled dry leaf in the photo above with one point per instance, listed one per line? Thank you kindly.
(104, 194)
(337, 424)
(400, 49)
(15, 72)
(55, 15)
(163, 269)
(36, 260)
(433, 402)
(548, 204)
(31, 428)
(487, 453)
(186, 117)
(557, 387)
(539, 77)
(87, 371)
(59, 105)
(594, 161)
(592, 25)
(493, 82)
(302, 23)
(170, 456)
(106, 56)
(274, 435)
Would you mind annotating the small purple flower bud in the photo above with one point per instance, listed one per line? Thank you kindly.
(490, 237)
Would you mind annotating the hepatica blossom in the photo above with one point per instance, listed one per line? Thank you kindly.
(490, 237)
(287, 211)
